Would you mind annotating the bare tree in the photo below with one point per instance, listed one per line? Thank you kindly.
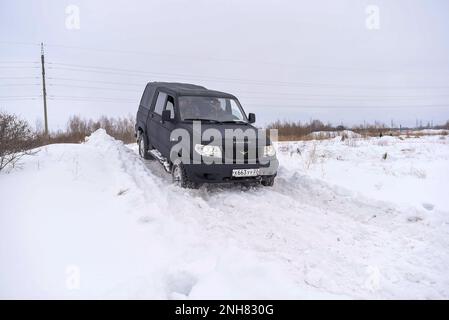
(16, 140)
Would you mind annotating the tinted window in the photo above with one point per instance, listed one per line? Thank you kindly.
(160, 103)
(210, 108)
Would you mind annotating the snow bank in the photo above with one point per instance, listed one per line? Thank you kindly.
(95, 221)
(334, 134)
(414, 172)
(431, 132)
(95, 212)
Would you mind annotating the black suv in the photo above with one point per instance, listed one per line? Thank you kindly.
(202, 136)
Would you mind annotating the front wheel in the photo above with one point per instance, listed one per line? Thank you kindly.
(180, 178)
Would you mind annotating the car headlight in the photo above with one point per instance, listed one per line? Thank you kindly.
(208, 150)
(269, 151)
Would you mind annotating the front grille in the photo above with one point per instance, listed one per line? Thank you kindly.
(250, 153)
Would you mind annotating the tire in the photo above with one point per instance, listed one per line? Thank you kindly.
(180, 178)
(268, 182)
(143, 147)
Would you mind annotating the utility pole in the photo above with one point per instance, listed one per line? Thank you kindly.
(44, 90)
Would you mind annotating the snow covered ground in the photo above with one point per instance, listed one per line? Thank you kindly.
(359, 218)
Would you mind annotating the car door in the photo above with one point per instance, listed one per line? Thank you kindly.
(167, 127)
(155, 120)
(160, 131)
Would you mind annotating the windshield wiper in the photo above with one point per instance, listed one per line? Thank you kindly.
(200, 119)
(234, 121)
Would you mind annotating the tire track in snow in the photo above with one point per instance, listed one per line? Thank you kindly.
(328, 238)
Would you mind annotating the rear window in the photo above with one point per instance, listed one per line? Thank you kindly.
(147, 97)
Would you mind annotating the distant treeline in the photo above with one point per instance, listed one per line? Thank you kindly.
(78, 129)
(122, 128)
(18, 138)
(298, 130)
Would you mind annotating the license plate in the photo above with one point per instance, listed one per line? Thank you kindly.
(245, 172)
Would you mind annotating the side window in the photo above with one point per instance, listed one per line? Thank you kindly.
(171, 107)
(235, 110)
(144, 99)
(160, 102)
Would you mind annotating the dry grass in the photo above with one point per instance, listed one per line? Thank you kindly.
(293, 131)
(311, 158)
(78, 129)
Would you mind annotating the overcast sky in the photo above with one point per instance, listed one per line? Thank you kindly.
(332, 60)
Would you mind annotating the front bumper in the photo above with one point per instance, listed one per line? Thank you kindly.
(222, 173)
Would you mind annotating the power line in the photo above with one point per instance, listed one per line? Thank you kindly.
(90, 101)
(19, 96)
(280, 95)
(351, 107)
(89, 98)
(17, 100)
(282, 99)
(1, 78)
(263, 95)
(141, 85)
(20, 43)
(303, 97)
(139, 73)
(344, 97)
(19, 84)
(228, 60)
(205, 58)
(164, 55)
(19, 62)
(94, 88)
(19, 67)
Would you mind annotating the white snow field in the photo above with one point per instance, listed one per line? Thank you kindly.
(95, 221)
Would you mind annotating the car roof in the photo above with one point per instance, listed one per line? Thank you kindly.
(187, 89)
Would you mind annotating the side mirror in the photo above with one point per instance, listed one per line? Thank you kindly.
(251, 118)
(166, 116)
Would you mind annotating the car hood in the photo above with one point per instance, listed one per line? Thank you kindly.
(221, 127)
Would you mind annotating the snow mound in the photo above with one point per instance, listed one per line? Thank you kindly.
(431, 132)
(334, 134)
(341, 221)
(100, 138)
(100, 224)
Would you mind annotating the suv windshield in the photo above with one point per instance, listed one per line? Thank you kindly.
(211, 109)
